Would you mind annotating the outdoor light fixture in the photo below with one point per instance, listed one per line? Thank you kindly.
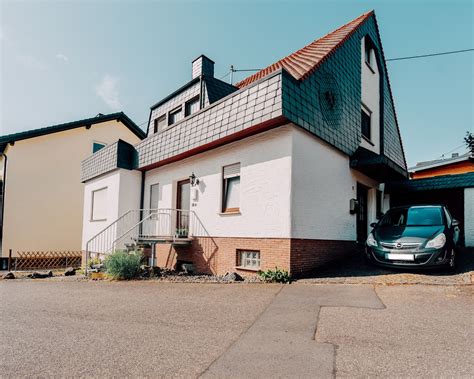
(193, 180)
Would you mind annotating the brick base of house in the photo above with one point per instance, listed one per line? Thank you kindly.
(218, 255)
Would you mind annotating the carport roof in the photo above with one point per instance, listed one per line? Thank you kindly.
(434, 183)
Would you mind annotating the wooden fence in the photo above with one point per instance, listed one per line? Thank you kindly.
(28, 260)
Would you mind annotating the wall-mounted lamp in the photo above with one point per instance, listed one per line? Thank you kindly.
(193, 180)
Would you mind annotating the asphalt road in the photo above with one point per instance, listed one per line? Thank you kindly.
(105, 329)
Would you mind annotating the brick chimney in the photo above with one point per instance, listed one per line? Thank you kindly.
(202, 65)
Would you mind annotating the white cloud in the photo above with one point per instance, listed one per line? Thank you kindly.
(62, 57)
(108, 91)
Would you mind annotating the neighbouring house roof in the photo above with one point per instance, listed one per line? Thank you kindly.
(420, 166)
(119, 116)
(305, 61)
(433, 183)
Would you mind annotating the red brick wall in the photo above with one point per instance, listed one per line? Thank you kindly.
(218, 255)
(307, 254)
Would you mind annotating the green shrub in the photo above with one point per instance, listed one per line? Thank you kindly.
(275, 276)
(123, 265)
(93, 261)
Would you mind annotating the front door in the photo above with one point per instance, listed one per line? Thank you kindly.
(183, 202)
(361, 213)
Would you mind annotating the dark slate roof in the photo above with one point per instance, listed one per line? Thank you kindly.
(433, 183)
(217, 89)
(119, 116)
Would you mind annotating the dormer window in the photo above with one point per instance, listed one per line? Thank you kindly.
(192, 106)
(159, 124)
(175, 116)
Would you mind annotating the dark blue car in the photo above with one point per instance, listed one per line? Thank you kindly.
(414, 236)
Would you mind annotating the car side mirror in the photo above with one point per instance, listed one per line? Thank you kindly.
(373, 224)
(455, 222)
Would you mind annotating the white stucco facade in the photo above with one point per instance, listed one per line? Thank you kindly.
(469, 216)
(265, 185)
(292, 185)
(122, 194)
(323, 185)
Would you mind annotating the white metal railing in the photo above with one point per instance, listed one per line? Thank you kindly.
(145, 224)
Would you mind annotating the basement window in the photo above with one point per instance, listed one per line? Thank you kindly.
(231, 188)
(99, 205)
(248, 259)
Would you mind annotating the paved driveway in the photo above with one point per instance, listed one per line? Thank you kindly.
(152, 329)
(354, 270)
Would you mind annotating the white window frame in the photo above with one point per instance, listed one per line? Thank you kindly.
(92, 218)
(235, 173)
(157, 185)
(367, 111)
(246, 261)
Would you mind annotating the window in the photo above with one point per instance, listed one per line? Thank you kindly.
(159, 124)
(175, 116)
(365, 123)
(96, 146)
(231, 188)
(368, 51)
(99, 205)
(154, 196)
(192, 106)
(248, 259)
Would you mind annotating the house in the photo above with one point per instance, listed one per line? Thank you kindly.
(448, 181)
(285, 168)
(43, 195)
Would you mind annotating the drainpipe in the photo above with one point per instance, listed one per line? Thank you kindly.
(3, 191)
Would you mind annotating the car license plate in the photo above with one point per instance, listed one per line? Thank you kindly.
(400, 257)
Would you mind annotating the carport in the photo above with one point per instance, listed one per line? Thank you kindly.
(454, 191)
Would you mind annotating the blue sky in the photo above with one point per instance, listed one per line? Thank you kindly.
(63, 61)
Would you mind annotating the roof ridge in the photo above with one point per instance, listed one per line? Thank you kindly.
(328, 48)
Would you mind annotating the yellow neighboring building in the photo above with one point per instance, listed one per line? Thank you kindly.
(40, 172)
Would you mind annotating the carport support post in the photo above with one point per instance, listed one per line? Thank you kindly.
(10, 260)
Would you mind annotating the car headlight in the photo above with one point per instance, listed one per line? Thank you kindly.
(437, 242)
(371, 240)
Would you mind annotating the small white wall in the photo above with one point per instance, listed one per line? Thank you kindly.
(123, 194)
(323, 184)
(265, 185)
(371, 99)
(469, 217)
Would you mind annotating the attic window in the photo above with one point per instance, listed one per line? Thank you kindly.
(192, 106)
(175, 116)
(365, 123)
(369, 52)
(159, 124)
(96, 146)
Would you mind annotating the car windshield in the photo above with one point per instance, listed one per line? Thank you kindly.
(418, 216)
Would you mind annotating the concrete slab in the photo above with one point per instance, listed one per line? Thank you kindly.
(425, 331)
(281, 342)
